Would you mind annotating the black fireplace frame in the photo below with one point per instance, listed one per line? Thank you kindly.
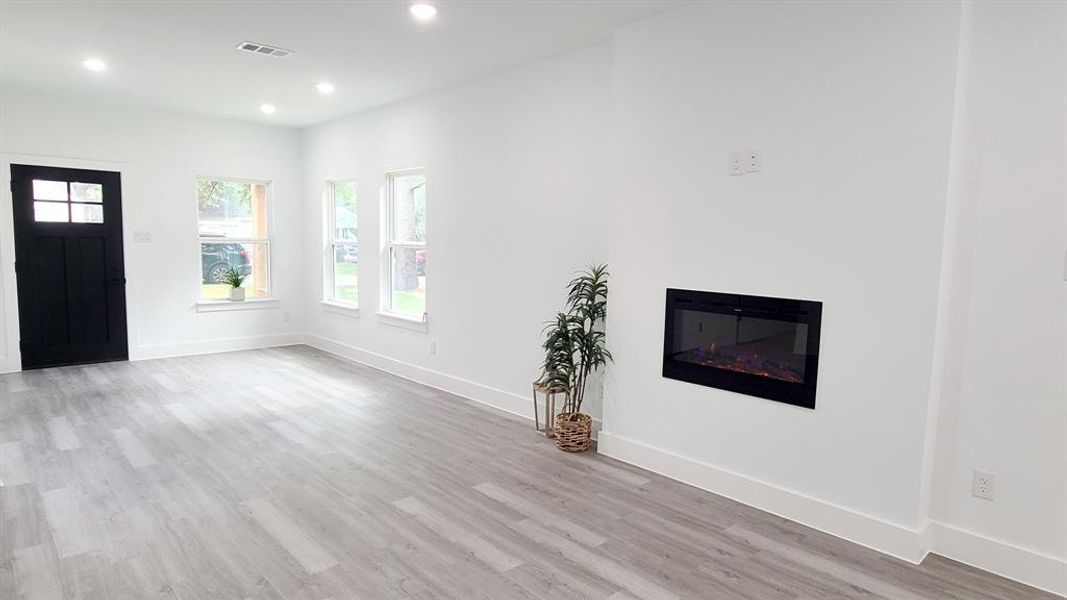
(780, 309)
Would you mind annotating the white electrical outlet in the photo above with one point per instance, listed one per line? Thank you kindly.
(142, 237)
(982, 484)
(286, 317)
(754, 161)
(737, 164)
(433, 348)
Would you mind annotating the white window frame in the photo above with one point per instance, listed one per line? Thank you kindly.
(330, 244)
(271, 299)
(387, 247)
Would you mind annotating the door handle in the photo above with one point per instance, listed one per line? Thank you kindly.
(116, 281)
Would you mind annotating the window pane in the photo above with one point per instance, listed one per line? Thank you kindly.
(86, 213)
(232, 208)
(49, 190)
(409, 208)
(86, 192)
(344, 216)
(346, 273)
(50, 212)
(250, 260)
(409, 281)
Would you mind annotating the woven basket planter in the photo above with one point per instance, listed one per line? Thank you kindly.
(572, 431)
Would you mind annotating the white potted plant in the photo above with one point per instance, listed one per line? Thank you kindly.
(235, 279)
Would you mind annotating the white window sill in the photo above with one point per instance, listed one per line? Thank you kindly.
(340, 308)
(250, 304)
(403, 321)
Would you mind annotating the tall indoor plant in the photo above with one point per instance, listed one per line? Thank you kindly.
(574, 349)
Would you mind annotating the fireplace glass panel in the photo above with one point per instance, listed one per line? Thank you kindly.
(741, 343)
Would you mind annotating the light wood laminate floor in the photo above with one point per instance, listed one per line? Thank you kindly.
(288, 473)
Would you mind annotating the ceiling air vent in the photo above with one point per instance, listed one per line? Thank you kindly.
(263, 50)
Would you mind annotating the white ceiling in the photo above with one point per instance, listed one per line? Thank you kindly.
(180, 54)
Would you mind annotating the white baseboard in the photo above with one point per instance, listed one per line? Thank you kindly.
(1007, 560)
(214, 346)
(1013, 562)
(875, 533)
(499, 399)
(12, 364)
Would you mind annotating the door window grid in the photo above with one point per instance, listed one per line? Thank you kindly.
(67, 202)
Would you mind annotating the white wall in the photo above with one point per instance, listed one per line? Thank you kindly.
(516, 200)
(851, 107)
(913, 181)
(857, 112)
(1004, 395)
(160, 155)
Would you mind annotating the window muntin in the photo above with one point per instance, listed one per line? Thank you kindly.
(341, 274)
(404, 272)
(234, 231)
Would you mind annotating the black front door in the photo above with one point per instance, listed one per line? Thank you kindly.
(68, 261)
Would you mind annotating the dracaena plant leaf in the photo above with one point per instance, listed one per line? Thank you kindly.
(575, 344)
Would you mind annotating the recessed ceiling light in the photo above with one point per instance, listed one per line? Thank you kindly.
(423, 11)
(324, 87)
(94, 64)
(267, 109)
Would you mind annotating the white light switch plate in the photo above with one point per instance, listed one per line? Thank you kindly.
(737, 164)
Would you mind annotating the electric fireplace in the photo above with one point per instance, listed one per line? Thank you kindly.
(765, 347)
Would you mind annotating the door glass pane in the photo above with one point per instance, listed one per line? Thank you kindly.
(409, 281)
(346, 273)
(50, 212)
(49, 190)
(409, 208)
(344, 219)
(232, 208)
(250, 260)
(86, 192)
(86, 213)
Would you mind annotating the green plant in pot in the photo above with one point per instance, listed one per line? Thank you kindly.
(234, 279)
(574, 349)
